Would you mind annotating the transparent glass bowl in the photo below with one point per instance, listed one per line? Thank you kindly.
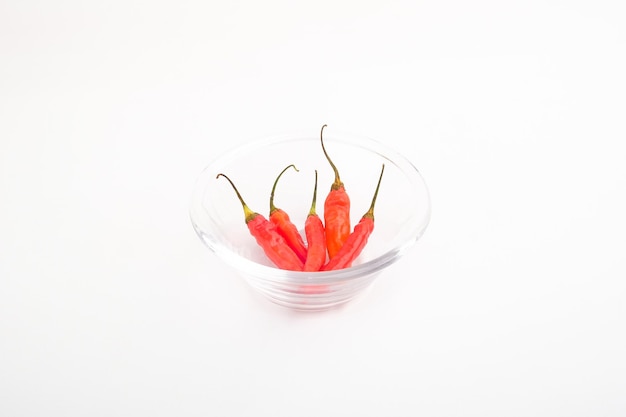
(402, 210)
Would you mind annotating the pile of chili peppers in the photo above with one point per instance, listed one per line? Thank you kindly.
(330, 245)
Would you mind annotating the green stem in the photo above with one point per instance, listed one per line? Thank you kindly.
(272, 206)
(312, 211)
(337, 184)
(249, 214)
(370, 212)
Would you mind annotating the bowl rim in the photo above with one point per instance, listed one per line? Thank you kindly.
(277, 275)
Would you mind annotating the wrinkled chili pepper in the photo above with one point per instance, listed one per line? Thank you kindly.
(357, 239)
(316, 241)
(336, 210)
(268, 238)
(285, 226)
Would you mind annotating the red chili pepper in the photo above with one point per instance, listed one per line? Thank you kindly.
(357, 239)
(285, 226)
(336, 210)
(314, 230)
(268, 238)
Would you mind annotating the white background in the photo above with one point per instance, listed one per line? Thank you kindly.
(512, 304)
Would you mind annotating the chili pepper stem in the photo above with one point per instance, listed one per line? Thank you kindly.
(337, 184)
(272, 206)
(248, 213)
(312, 210)
(370, 212)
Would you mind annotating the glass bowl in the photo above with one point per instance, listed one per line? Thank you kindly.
(402, 210)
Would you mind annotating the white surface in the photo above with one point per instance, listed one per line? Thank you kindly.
(511, 305)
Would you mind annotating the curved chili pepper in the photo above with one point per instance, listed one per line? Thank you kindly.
(357, 239)
(268, 238)
(314, 230)
(336, 210)
(285, 226)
